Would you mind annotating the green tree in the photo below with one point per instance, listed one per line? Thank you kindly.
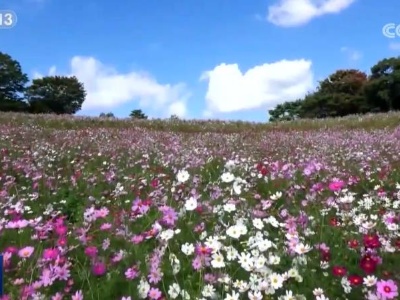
(383, 88)
(12, 84)
(137, 114)
(286, 111)
(56, 94)
(340, 94)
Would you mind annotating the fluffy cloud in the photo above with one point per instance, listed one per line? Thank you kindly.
(229, 90)
(107, 88)
(177, 108)
(289, 13)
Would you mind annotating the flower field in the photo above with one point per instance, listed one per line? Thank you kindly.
(109, 209)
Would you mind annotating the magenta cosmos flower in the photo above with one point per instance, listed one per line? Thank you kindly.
(336, 185)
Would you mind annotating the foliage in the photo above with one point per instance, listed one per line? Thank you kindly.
(348, 92)
(57, 94)
(287, 111)
(137, 114)
(107, 115)
(383, 88)
(12, 84)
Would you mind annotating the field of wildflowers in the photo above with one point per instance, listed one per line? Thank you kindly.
(109, 209)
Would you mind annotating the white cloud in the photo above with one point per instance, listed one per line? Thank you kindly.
(266, 85)
(290, 13)
(107, 88)
(177, 108)
(352, 54)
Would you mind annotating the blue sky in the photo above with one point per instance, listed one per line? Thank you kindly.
(225, 59)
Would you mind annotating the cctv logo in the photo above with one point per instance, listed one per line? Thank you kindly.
(391, 30)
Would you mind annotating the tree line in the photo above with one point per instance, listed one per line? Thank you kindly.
(348, 92)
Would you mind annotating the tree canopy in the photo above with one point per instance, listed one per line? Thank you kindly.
(137, 114)
(12, 84)
(57, 94)
(347, 92)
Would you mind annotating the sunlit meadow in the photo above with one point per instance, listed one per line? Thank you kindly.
(113, 209)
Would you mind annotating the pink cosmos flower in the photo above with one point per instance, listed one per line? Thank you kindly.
(154, 293)
(132, 273)
(137, 239)
(57, 296)
(77, 296)
(26, 252)
(105, 226)
(387, 289)
(102, 212)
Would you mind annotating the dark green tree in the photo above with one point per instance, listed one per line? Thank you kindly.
(340, 94)
(107, 115)
(137, 114)
(56, 94)
(12, 84)
(383, 88)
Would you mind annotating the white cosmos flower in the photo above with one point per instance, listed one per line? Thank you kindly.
(191, 204)
(230, 164)
(273, 221)
(233, 232)
(254, 295)
(302, 249)
(258, 223)
(276, 280)
(229, 207)
(242, 229)
(167, 234)
(187, 249)
(182, 176)
(237, 185)
(264, 245)
(231, 253)
(217, 261)
(246, 261)
(370, 280)
(233, 296)
(318, 292)
(208, 291)
(227, 177)
(174, 290)
(274, 259)
(368, 225)
(276, 196)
